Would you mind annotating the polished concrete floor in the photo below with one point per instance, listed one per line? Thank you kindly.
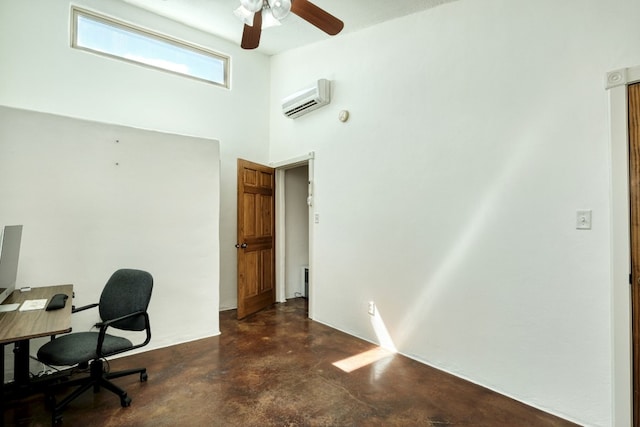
(276, 368)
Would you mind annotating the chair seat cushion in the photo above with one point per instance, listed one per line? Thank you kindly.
(78, 347)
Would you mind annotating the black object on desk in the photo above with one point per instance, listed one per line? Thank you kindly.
(57, 302)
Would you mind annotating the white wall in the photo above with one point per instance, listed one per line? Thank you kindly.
(41, 72)
(477, 130)
(95, 197)
(297, 229)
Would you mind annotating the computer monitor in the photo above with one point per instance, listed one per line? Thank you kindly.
(10, 243)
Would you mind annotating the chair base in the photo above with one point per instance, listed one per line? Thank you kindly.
(97, 379)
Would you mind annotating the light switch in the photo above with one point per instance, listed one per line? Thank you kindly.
(583, 219)
(316, 218)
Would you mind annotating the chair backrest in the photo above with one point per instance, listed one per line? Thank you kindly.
(127, 291)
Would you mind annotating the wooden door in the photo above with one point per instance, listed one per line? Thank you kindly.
(256, 237)
(634, 197)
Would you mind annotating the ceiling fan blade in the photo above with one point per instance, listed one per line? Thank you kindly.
(251, 33)
(316, 16)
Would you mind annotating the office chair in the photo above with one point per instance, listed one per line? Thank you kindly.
(123, 305)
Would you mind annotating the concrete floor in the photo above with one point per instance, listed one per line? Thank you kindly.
(276, 368)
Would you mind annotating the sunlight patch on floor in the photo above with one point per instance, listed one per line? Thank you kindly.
(358, 361)
(386, 349)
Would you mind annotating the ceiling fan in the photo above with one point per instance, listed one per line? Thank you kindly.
(260, 14)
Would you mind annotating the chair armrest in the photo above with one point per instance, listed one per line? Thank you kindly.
(108, 323)
(105, 325)
(75, 309)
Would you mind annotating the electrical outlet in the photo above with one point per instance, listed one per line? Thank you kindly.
(372, 308)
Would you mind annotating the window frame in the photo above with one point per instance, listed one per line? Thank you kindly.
(76, 12)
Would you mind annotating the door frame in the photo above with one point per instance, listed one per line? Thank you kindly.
(622, 369)
(281, 168)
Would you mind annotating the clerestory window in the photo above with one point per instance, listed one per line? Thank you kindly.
(106, 36)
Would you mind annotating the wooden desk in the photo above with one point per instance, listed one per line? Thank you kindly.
(24, 325)
(19, 327)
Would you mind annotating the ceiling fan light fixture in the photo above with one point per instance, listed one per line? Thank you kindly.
(280, 8)
(252, 5)
(268, 20)
(261, 14)
(245, 15)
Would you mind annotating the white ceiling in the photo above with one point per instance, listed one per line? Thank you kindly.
(216, 17)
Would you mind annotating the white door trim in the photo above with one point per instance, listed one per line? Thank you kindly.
(622, 384)
(281, 167)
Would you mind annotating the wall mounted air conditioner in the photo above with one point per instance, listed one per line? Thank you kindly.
(307, 100)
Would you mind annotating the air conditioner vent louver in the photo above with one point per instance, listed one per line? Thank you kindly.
(305, 106)
(307, 100)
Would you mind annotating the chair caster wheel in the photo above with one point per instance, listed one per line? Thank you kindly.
(56, 420)
(143, 377)
(125, 401)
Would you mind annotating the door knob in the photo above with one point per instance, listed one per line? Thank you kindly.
(238, 246)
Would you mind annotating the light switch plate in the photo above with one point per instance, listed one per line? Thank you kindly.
(583, 219)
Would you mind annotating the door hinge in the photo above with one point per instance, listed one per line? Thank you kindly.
(630, 279)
